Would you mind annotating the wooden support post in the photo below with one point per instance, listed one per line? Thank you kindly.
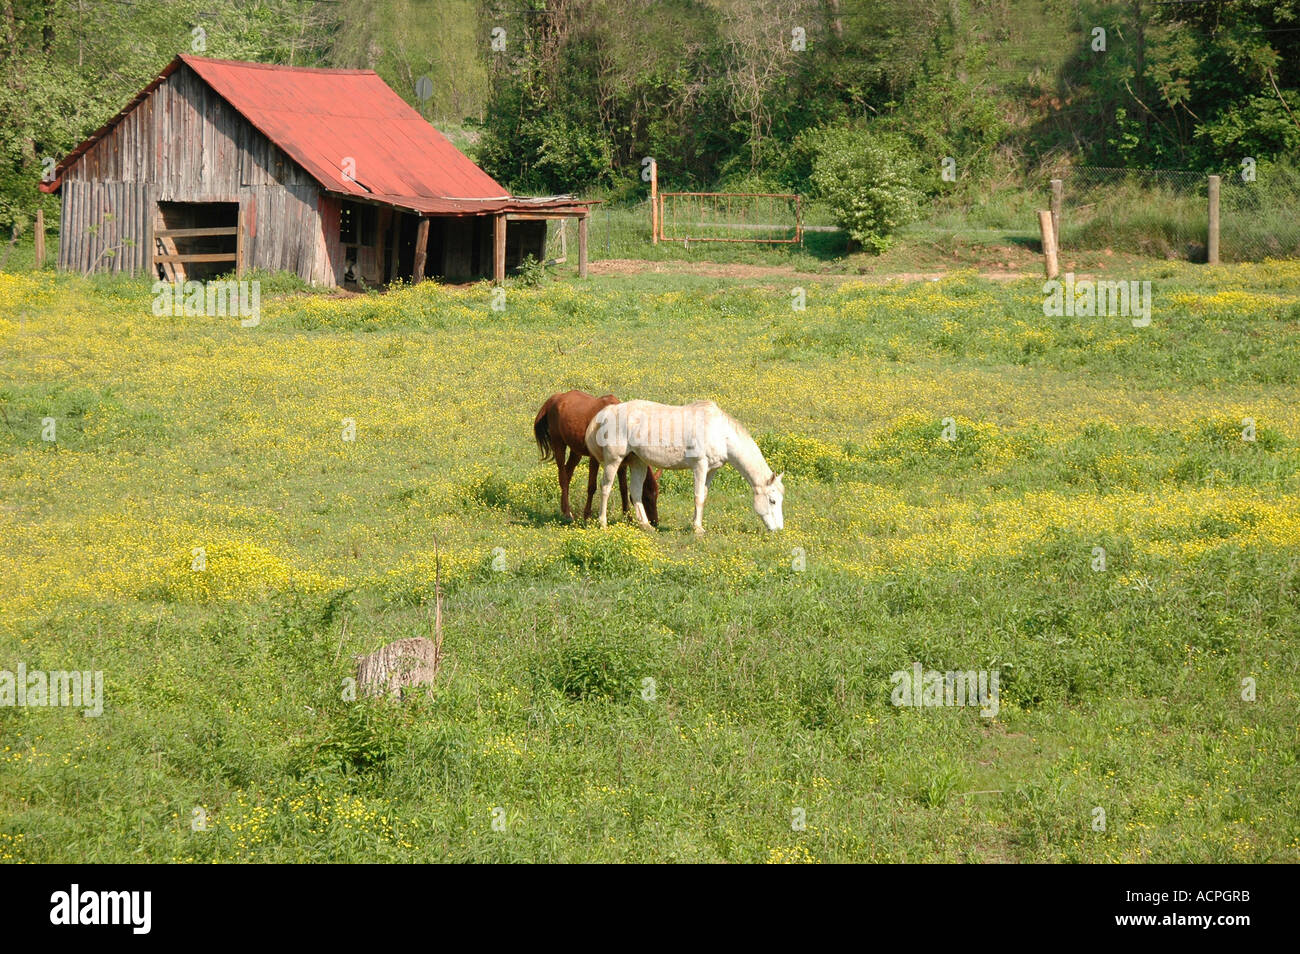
(40, 238)
(239, 243)
(421, 250)
(1049, 243)
(1212, 242)
(499, 248)
(1058, 191)
(582, 246)
(654, 202)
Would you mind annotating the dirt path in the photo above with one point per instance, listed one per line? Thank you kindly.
(634, 266)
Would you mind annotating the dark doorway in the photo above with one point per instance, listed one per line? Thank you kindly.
(208, 230)
(406, 227)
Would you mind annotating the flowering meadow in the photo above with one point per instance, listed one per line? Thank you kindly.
(218, 517)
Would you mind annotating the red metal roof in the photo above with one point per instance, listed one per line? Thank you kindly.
(322, 118)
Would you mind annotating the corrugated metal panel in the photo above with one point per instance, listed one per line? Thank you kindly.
(322, 118)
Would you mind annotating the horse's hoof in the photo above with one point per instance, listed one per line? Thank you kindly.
(699, 531)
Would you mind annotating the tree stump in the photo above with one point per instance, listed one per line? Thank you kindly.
(406, 663)
(400, 665)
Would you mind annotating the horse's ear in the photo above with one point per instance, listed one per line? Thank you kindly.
(776, 479)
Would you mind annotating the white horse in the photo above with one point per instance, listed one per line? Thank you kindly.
(698, 437)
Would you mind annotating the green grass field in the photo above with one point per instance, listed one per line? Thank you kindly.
(1121, 689)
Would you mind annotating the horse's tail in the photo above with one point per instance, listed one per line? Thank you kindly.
(542, 429)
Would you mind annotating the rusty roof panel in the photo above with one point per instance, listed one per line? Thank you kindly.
(321, 118)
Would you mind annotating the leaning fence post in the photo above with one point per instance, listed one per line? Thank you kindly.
(1058, 190)
(1212, 241)
(1049, 243)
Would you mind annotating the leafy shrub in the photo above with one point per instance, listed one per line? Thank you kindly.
(531, 272)
(600, 666)
(869, 183)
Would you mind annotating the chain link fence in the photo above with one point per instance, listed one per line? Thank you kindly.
(1155, 212)
(1165, 213)
(1260, 218)
(612, 232)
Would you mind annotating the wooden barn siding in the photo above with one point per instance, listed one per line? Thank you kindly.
(189, 145)
(99, 216)
(329, 210)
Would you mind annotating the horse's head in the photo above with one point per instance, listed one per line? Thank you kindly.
(768, 498)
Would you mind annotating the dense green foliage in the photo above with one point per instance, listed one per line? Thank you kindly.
(570, 95)
(868, 184)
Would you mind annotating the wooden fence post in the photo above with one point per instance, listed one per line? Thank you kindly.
(1212, 241)
(582, 246)
(1049, 243)
(1058, 191)
(654, 202)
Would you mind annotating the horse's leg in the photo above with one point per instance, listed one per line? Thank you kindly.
(608, 475)
(566, 475)
(636, 469)
(622, 482)
(702, 475)
(561, 474)
(591, 487)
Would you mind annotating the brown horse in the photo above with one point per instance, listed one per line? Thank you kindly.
(562, 423)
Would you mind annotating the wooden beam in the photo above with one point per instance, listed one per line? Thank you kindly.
(421, 250)
(150, 240)
(40, 238)
(196, 233)
(197, 257)
(534, 216)
(582, 247)
(499, 248)
(239, 244)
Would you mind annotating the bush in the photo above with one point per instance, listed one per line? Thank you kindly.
(869, 183)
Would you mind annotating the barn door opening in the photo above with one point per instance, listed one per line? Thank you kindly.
(406, 227)
(195, 241)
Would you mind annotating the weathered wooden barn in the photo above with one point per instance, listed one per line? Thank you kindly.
(220, 166)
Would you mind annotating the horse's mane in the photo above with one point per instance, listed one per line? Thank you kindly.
(740, 428)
